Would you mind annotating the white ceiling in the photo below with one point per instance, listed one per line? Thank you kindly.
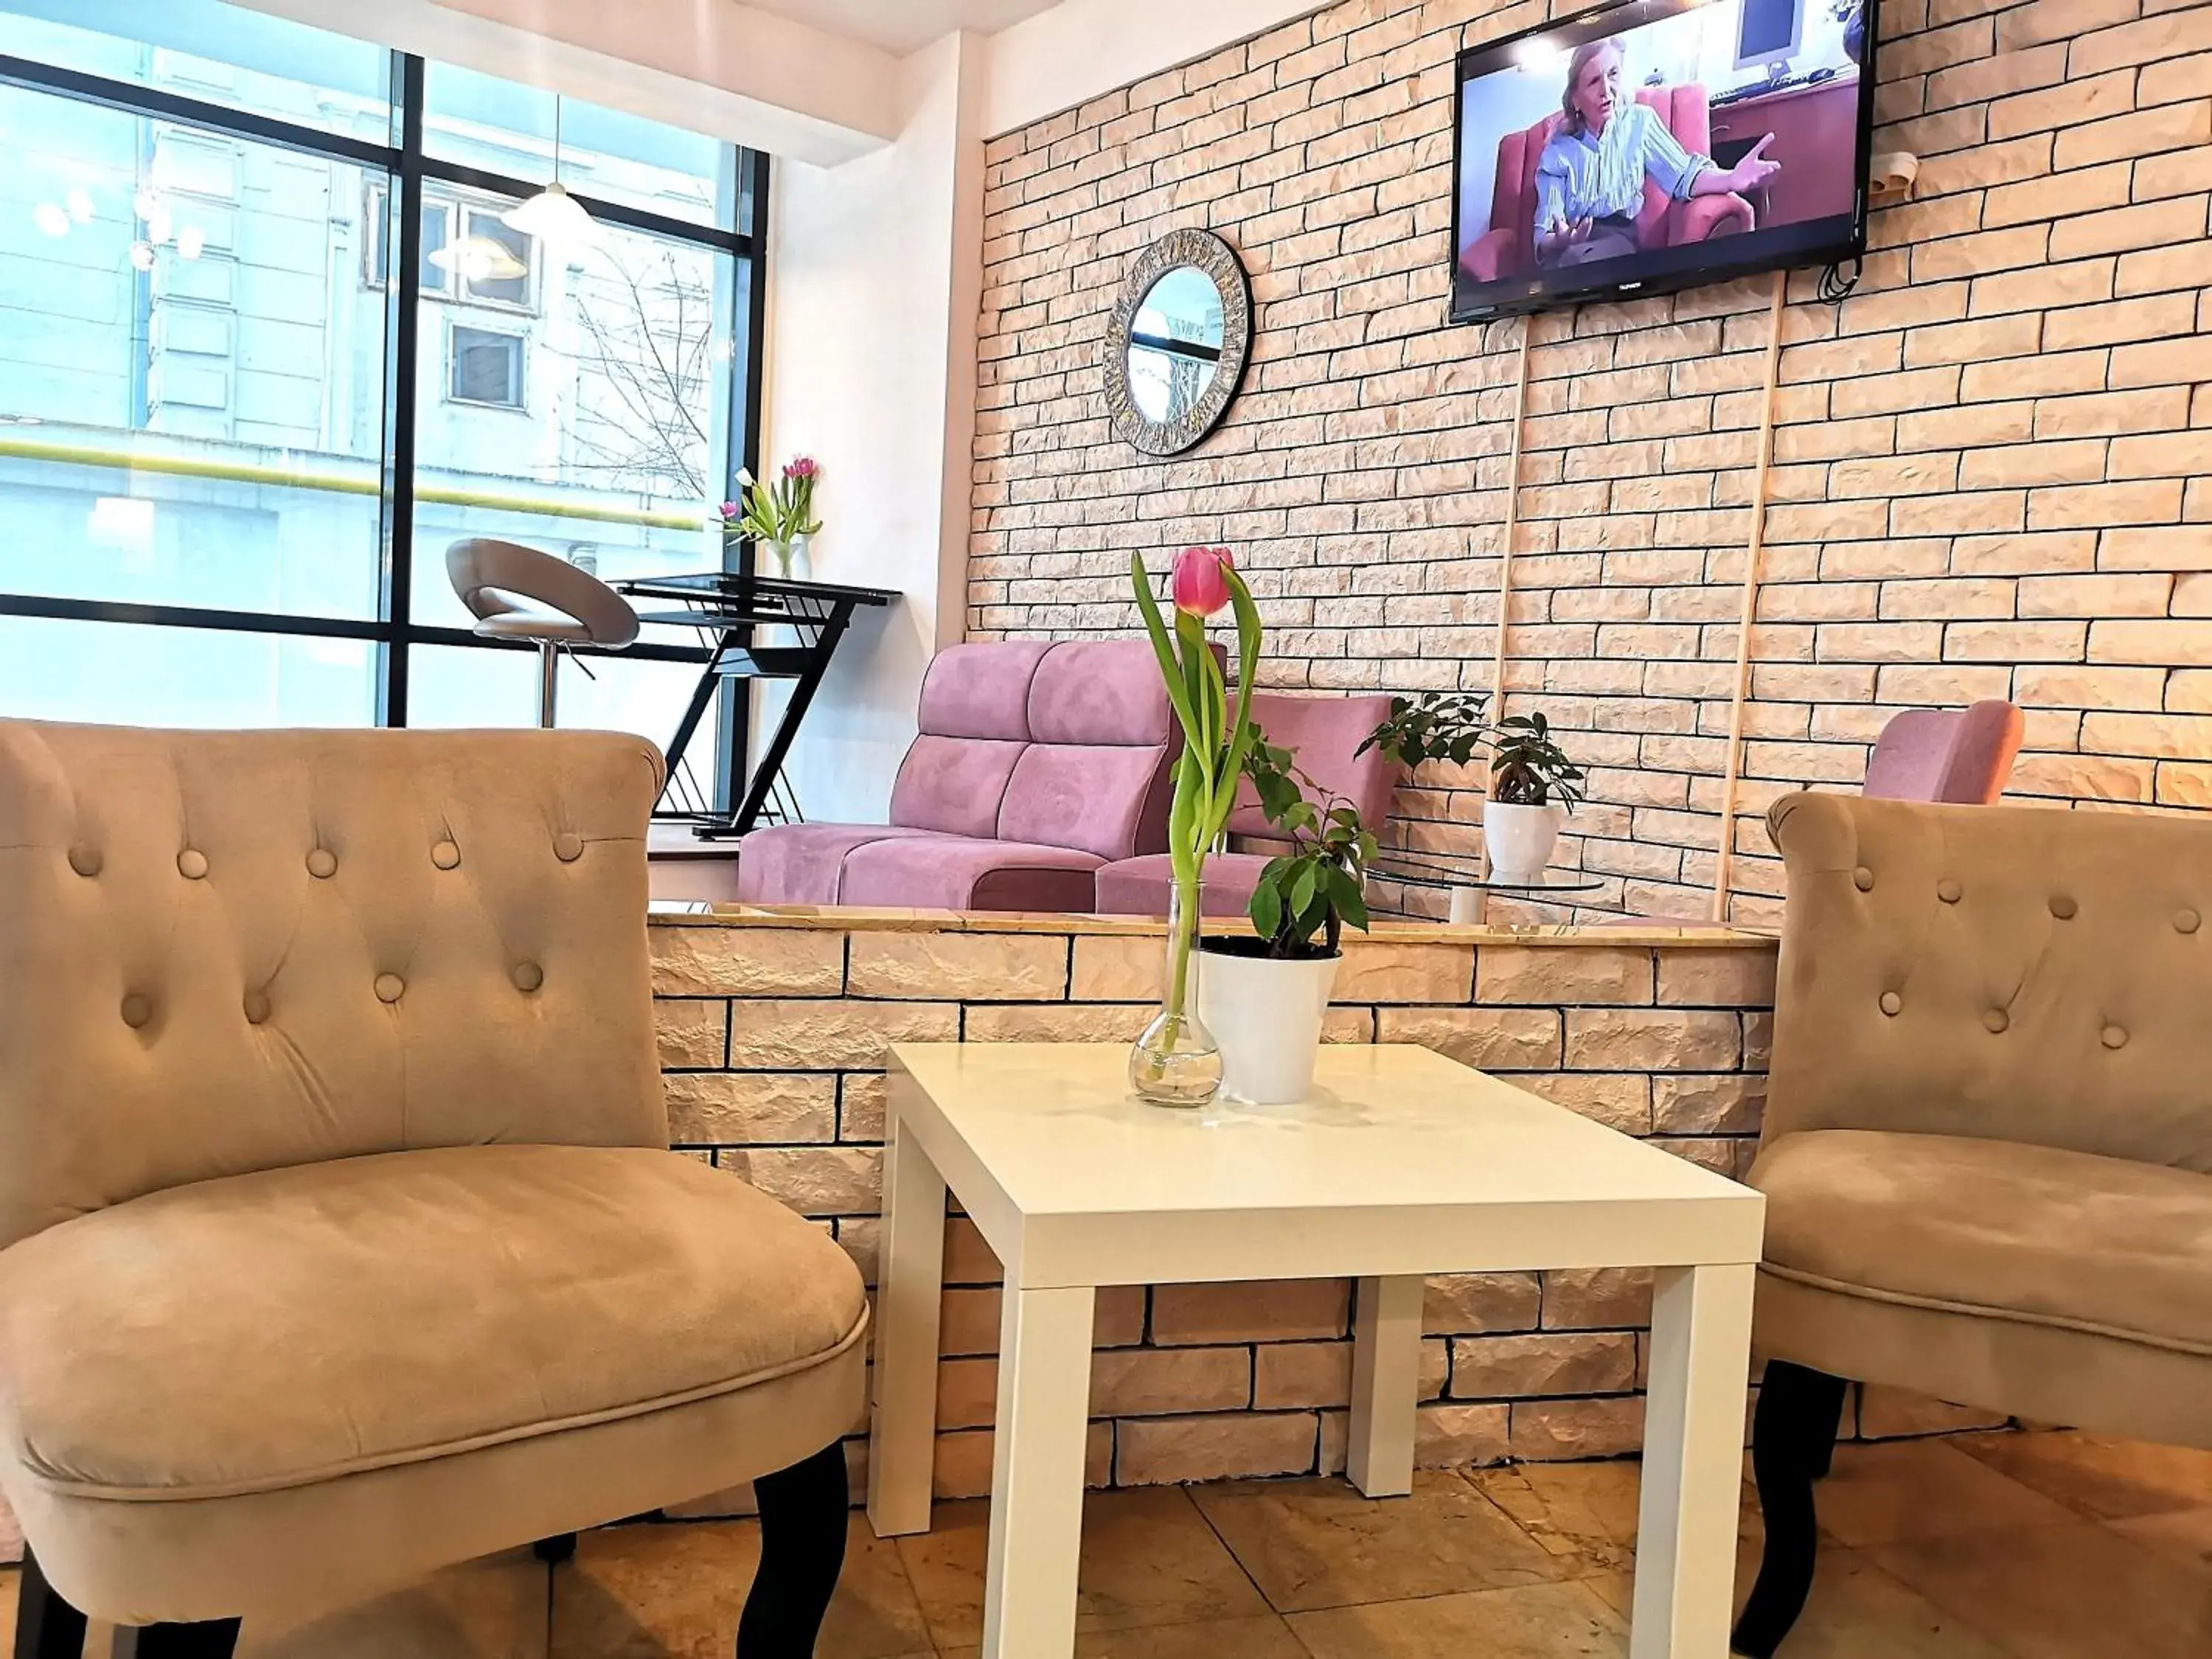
(903, 26)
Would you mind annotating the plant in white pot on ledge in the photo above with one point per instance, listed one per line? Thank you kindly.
(1532, 787)
(1436, 725)
(1264, 997)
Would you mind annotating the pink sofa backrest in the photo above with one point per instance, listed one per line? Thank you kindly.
(974, 720)
(1095, 774)
(1960, 757)
(1322, 732)
(1063, 744)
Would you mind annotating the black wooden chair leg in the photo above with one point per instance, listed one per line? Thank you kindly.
(212, 1640)
(1793, 1436)
(47, 1627)
(802, 1512)
(561, 1546)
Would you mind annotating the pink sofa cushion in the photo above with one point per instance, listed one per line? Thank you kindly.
(1095, 797)
(1100, 692)
(1139, 887)
(1322, 733)
(980, 690)
(801, 863)
(954, 785)
(940, 872)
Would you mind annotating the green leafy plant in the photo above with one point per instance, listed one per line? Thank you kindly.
(1434, 726)
(1314, 889)
(1527, 769)
(774, 513)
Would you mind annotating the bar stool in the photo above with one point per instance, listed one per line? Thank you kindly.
(567, 607)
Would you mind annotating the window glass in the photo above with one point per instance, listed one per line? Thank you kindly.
(218, 54)
(194, 328)
(487, 368)
(376, 228)
(500, 127)
(460, 686)
(191, 380)
(497, 264)
(123, 674)
(625, 362)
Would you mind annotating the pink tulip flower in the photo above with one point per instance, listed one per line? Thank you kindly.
(730, 510)
(1200, 585)
(804, 467)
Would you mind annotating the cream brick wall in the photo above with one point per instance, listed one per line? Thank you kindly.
(774, 1042)
(1990, 459)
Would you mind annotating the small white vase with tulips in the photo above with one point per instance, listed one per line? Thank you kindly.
(1177, 1061)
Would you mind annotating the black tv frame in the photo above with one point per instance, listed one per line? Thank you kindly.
(1668, 271)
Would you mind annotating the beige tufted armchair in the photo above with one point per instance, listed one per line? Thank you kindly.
(339, 1240)
(1987, 1155)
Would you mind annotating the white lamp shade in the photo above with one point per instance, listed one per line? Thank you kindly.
(552, 216)
(480, 259)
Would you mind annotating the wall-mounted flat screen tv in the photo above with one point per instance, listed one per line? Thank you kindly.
(1649, 145)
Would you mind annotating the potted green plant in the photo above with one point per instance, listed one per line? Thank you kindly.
(1532, 787)
(1264, 997)
(1436, 726)
(1177, 1061)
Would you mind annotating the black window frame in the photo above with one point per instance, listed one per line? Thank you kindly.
(406, 170)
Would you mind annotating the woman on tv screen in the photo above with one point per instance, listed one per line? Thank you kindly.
(1645, 145)
(1590, 179)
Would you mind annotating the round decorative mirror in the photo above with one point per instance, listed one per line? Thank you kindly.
(1180, 341)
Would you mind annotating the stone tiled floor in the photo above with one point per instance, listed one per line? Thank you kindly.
(1983, 1546)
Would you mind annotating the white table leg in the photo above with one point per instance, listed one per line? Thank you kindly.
(910, 1290)
(1692, 1462)
(1386, 1369)
(1036, 1474)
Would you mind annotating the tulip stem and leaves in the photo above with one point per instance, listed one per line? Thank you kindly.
(1215, 743)
(776, 514)
(1317, 887)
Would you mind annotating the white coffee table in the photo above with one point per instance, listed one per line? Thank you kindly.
(1406, 1164)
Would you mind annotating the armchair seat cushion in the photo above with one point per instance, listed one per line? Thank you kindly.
(1994, 1229)
(372, 1366)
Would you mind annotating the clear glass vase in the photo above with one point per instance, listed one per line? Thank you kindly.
(1175, 1062)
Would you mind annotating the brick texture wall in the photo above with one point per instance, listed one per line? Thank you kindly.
(1990, 459)
(774, 1039)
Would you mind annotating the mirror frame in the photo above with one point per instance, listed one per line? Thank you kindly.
(1218, 262)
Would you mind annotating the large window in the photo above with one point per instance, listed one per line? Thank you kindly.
(269, 343)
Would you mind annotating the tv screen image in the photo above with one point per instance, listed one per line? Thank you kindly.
(1651, 144)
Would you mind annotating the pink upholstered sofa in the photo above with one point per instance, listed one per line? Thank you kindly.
(1322, 732)
(1038, 762)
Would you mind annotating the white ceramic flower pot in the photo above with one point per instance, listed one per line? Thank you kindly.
(1265, 1016)
(1520, 839)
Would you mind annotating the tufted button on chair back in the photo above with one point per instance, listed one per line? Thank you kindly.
(229, 952)
(2004, 973)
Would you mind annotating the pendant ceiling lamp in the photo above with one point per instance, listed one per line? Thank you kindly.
(553, 215)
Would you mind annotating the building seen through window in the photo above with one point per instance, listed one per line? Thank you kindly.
(201, 294)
